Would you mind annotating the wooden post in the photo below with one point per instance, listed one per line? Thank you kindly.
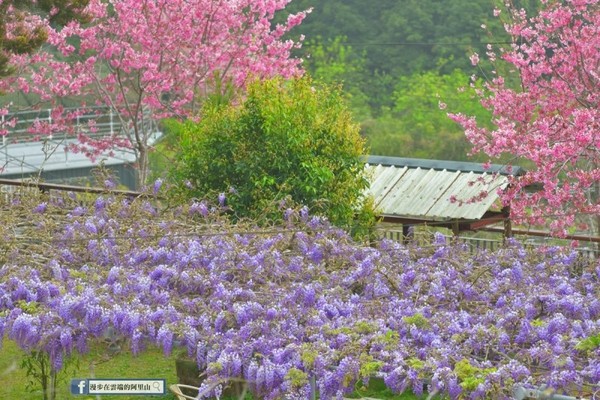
(507, 224)
(408, 234)
(455, 228)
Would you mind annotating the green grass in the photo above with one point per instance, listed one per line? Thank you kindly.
(150, 364)
(378, 390)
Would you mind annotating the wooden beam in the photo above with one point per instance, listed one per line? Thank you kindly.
(456, 225)
(485, 221)
(508, 232)
(68, 188)
(592, 239)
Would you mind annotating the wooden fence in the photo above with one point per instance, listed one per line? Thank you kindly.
(587, 250)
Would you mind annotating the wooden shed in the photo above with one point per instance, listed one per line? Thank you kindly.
(461, 196)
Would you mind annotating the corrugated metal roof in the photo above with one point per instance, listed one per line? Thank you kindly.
(426, 193)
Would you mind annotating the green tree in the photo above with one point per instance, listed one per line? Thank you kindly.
(23, 25)
(418, 124)
(334, 62)
(292, 141)
(60, 12)
(401, 38)
(23, 37)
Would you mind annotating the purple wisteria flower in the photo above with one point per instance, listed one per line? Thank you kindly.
(100, 204)
(156, 186)
(199, 208)
(109, 184)
(282, 306)
(79, 211)
(41, 208)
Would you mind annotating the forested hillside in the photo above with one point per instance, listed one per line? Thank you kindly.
(398, 60)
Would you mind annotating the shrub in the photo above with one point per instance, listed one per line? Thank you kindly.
(291, 141)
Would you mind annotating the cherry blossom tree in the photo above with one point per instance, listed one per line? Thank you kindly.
(148, 59)
(551, 117)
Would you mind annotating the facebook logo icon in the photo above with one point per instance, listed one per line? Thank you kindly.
(79, 386)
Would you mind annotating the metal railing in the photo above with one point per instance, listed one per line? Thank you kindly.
(93, 121)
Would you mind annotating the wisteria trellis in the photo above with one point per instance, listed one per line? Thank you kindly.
(298, 301)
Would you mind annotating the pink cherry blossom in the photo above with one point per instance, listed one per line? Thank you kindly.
(474, 59)
(552, 118)
(157, 55)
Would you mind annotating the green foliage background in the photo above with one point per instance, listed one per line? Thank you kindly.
(418, 125)
(287, 141)
(398, 59)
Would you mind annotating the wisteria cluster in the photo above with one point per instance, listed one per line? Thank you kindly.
(300, 302)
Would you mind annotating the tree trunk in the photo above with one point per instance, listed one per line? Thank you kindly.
(53, 380)
(43, 373)
(595, 219)
(143, 164)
